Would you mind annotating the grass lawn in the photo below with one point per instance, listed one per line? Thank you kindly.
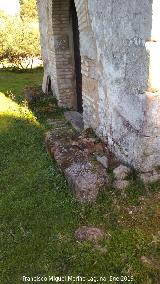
(39, 213)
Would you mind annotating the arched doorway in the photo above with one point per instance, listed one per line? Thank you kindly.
(48, 86)
(77, 56)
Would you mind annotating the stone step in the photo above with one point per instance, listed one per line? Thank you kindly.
(85, 176)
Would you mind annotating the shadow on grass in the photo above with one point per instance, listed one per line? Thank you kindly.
(12, 83)
(37, 209)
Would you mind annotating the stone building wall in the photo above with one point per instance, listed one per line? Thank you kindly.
(120, 58)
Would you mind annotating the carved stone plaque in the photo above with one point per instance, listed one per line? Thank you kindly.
(61, 42)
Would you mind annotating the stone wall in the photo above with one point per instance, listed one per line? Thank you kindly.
(120, 57)
(128, 107)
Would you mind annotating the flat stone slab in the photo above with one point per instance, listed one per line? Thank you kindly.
(89, 234)
(76, 119)
(86, 179)
(121, 172)
(103, 160)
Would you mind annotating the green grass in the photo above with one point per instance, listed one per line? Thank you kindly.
(39, 213)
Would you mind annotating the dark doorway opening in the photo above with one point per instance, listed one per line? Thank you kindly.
(77, 56)
(48, 86)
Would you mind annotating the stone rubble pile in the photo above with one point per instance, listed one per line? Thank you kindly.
(84, 160)
(72, 152)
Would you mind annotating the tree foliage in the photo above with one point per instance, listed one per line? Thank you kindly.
(19, 36)
(28, 9)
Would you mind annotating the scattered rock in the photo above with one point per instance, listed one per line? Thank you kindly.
(121, 184)
(150, 177)
(99, 249)
(86, 179)
(89, 234)
(103, 160)
(121, 172)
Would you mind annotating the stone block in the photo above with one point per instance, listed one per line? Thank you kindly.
(121, 172)
(86, 180)
(89, 234)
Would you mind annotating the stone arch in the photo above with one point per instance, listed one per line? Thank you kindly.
(62, 56)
